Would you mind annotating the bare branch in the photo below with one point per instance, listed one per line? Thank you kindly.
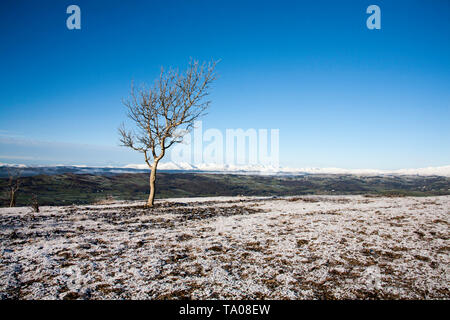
(174, 102)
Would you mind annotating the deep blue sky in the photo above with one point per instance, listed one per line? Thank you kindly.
(340, 94)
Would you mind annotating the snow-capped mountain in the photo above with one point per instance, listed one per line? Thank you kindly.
(261, 169)
(220, 168)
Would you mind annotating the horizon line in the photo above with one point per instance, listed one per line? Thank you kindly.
(256, 168)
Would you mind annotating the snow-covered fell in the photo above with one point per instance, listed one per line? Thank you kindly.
(261, 169)
(252, 169)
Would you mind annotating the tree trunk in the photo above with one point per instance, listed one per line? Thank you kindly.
(12, 198)
(151, 197)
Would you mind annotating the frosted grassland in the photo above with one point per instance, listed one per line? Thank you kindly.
(309, 247)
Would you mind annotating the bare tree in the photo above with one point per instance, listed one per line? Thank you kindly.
(165, 112)
(13, 185)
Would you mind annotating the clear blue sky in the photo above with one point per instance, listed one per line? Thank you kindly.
(340, 94)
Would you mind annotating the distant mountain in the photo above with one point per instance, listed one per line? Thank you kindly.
(27, 171)
(271, 170)
(214, 168)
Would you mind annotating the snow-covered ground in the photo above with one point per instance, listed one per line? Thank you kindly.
(309, 247)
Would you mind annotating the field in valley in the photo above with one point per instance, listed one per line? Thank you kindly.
(301, 247)
(64, 188)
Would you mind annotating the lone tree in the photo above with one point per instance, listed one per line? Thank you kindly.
(165, 112)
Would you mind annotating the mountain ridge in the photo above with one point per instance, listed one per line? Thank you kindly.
(225, 168)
